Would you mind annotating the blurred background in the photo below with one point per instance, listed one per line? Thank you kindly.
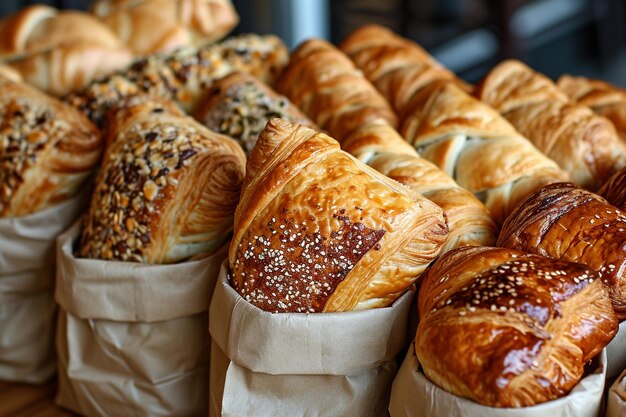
(586, 37)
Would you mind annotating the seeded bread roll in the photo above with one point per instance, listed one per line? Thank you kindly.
(47, 150)
(509, 329)
(167, 189)
(185, 75)
(317, 230)
(239, 106)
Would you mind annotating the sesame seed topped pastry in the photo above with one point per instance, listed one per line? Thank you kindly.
(615, 190)
(184, 75)
(47, 150)
(318, 231)
(565, 222)
(239, 106)
(167, 189)
(508, 329)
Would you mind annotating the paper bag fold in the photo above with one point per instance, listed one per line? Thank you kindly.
(616, 406)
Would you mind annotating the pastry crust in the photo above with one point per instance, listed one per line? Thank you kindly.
(167, 189)
(565, 222)
(508, 329)
(317, 230)
(582, 143)
(615, 190)
(47, 150)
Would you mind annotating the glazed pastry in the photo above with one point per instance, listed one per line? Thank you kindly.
(184, 75)
(379, 145)
(317, 230)
(47, 150)
(398, 67)
(565, 222)
(615, 190)
(603, 98)
(477, 147)
(508, 329)
(167, 189)
(324, 83)
(149, 26)
(60, 51)
(239, 106)
(581, 142)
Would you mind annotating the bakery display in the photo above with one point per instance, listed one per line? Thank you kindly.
(149, 26)
(614, 190)
(317, 230)
(239, 105)
(508, 329)
(566, 222)
(582, 143)
(167, 189)
(184, 75)
(47, 150)
(59, 51)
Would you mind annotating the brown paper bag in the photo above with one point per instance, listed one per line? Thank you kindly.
(616, 353)
(616, 406)
(131, 337)
(27, 305)
(413, 395)
(314, 365)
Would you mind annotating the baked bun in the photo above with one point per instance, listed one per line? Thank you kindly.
(615, 190)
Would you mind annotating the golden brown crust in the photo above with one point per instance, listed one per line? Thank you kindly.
(615, 190)
(508, 329)
(582, 143)
(317, 230)
(565, 222)
(476, 146)
(167, 189)
(239, 106)
(47, 150)
(328, 88)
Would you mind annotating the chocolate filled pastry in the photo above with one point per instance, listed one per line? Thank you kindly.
(582, 143)
(239, 106)
(615, 189)
(318, 231)
(184, 75)
(508, 329)
(167, 189)
(566, 222)
(47, 150)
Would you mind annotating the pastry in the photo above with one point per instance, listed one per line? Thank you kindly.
(615, 190)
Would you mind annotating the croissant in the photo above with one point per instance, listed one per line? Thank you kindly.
(398, 67)
(324, 83)
(149, 26)
(582, 143)
(508, 329)
(184, 75)
(60, 51)
(317, 230)
(239, 106)
(47, 150)
(167, 189)
(477, 147)
(603, 98)
(615, 190)
(379, 145)
(563, 221)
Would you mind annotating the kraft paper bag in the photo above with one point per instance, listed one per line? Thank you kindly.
(27, 307)
(617, 397)
(413, 395)
(131, 337)
(314, 365)
(616, 353)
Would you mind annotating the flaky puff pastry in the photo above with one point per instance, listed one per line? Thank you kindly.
(381, 147)
(477, 147)
(603, 98)
(614, 190)
(509, 329)
(47, 150)
(566, 222)
(582, 143)
(398, 67)
(167, 189)
(317, 230)
(329, 89)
